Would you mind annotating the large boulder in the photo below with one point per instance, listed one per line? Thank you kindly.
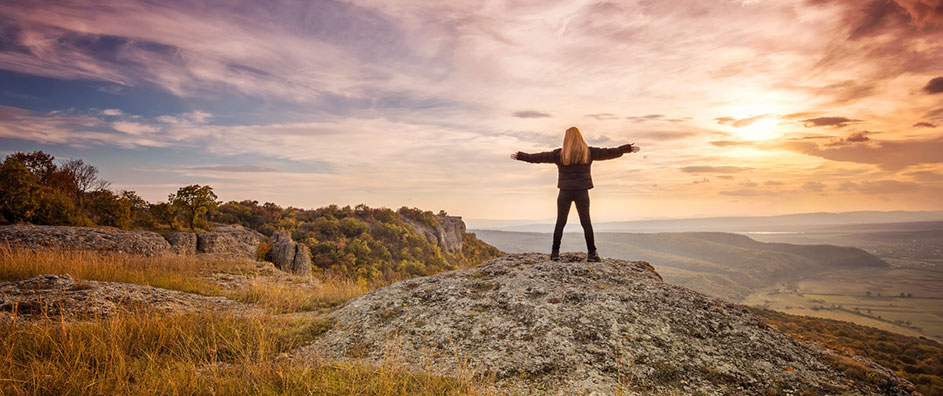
(143, 243)
(230, 240)
(571, 327)
(447, 234)
(182, 242)
(290, 256)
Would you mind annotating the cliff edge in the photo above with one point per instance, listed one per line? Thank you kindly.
(572, 327)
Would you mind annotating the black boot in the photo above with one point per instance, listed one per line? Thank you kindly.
(592, 257)
(555, 255)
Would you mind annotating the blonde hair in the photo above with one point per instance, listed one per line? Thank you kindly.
(575, 150)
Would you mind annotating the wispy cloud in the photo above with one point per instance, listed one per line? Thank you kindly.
(530, 114)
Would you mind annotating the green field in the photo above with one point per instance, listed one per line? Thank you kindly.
(843, 295)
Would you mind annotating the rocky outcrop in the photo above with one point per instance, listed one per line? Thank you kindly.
(229, 240)
(447, 234)
(143, 243)
(182, 242)
(59, 297)
(225, 240)
(572, 327)
(290, 256)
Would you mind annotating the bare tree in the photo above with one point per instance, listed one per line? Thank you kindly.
(85, 177)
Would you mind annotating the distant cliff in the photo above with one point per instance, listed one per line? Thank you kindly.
(447, 233)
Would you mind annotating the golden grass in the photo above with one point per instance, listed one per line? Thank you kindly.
(281, 297)
(184, 273)
(205, 353)
(192, 354)
(173, 272)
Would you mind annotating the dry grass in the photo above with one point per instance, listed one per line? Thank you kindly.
(184, 273)
(173, 272)
(205, 353)
(192, 354)
(282, 297)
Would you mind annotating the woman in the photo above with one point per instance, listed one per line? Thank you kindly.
(574, 181)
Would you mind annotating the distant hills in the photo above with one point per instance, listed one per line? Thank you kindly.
(721, 264)
(782, 223)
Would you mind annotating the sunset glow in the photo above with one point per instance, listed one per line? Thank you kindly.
(740, 107)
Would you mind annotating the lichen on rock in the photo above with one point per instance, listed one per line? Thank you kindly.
(572, 327)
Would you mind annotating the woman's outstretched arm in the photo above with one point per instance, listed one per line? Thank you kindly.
(548, 157)
(600, 154)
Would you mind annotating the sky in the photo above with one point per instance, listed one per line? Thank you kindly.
(746, 107)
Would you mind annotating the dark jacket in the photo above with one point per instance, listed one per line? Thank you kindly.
(574, 177)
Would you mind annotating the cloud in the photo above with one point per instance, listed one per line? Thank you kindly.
(936, 114)
(744, 192)
(737, 123)
(857, 137)
(934, 86)
(134, 128)
(647, 117)
(530, 114)
(926, 176)
(192, 117)
(889, 155)
(714, 169)
(731, 143)
(880, 187)
(233, 168)
(667, 134)
(603, 116)
(924, 124)
(835, 122)
(812, 186)
(703, 180)
(112, 112)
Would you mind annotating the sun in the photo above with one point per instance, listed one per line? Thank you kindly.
(761, 129)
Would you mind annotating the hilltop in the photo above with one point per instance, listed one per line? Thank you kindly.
(572, 327)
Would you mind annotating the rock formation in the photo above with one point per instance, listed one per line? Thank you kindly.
(226, 240)
(572, 327)
(447, 234)
(182, 242)
(290, 256)
(143, 243)
(61, 297)
(229, 240)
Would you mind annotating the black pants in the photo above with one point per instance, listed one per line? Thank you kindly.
(581, 197)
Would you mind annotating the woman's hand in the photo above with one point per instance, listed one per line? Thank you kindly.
(635, 148)
(514, 156)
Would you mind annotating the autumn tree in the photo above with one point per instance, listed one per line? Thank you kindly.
(18, 195)
(195, 200)
(164, 212)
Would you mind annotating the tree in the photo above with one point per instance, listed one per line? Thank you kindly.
(166, 213)
(38, 163)
(85, 177)
(18, 193)
(195, 200)
(107, 208)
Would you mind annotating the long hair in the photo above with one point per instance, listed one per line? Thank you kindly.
(575, 150)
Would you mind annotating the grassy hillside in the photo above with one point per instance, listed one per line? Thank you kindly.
(917, 359)
(360, 242)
